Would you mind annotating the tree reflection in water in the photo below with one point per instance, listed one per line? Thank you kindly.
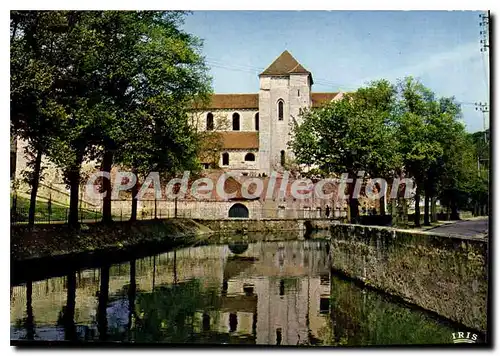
(102, 318)
(67, 315)
(269, 293)
(168, 313)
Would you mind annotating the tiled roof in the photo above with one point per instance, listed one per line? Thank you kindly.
(240, 140)
(284, 65)
(234, 101)
(319, 99)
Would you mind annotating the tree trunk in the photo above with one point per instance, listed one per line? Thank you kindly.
(34, 187)
(135, 190)
(433, 210)
(454, 211)
(353, 205)
(404, 211)
(107, 162)
(382, 206)
(382, 201)
(417, 208)
(427, 220)
(74, 186)
(353, 210)
(394, 211)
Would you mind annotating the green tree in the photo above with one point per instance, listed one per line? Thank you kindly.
(416, 134)
(149, 71)
(480, 183)
(35, 111)
(350, 135)
(110, 78)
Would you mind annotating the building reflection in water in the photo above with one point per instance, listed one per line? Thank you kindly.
(268, 293)
(271, 293)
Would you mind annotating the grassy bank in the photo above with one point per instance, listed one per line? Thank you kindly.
(58, 239)
(58, 211)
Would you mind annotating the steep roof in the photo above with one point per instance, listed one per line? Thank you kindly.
(240, 140)
(318, 99)
(251, 101)
(285, 64)
(234, 101)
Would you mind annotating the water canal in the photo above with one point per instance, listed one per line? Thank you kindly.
(270, 293)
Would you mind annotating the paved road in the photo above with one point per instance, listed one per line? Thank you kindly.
(466, 227)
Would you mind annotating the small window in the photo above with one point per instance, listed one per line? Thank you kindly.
(206, 165)
(298, 92)
(236, 122)
(282, 157)
(250, 157)
(280, 110)
(225, 159)
(257, 122)
(210, 121)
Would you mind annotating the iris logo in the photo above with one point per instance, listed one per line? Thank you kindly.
(464, 338)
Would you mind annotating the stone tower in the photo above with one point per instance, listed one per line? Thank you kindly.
(285, 88)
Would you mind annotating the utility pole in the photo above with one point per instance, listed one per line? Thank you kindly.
(484, 41)
(484, 49)
(483, 107)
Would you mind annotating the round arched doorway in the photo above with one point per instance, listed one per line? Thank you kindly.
(238, 211)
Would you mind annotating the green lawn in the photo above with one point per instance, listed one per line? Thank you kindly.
(59, 211)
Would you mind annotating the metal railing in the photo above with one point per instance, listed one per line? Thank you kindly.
(47, 212)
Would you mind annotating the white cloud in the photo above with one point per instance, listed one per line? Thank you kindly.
(436, 61)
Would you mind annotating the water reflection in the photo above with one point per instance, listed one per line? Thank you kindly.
(275, 293)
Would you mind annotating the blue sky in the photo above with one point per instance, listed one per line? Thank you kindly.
(345, 49)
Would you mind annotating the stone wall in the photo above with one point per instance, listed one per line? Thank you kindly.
(237, 161)
(223, 119)
(295, 92)
(444, 274)
(263, 225)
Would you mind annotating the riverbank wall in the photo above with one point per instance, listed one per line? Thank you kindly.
(52, 249)
(57, 239)
(441, 273)
(265, 225)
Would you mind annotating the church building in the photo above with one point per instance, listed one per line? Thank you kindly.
(255, 128)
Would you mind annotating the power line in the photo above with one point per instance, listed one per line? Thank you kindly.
(257, 70)
(251, 69)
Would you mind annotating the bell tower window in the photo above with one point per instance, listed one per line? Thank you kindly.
(280, 109)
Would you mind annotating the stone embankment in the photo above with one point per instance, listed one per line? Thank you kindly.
(445, 274)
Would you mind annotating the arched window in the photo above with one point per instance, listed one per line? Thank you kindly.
(280, 109)
(210, 121)
(282, 157)
(257, 122)
(249, 157)
(236, 122)
(225, 159)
